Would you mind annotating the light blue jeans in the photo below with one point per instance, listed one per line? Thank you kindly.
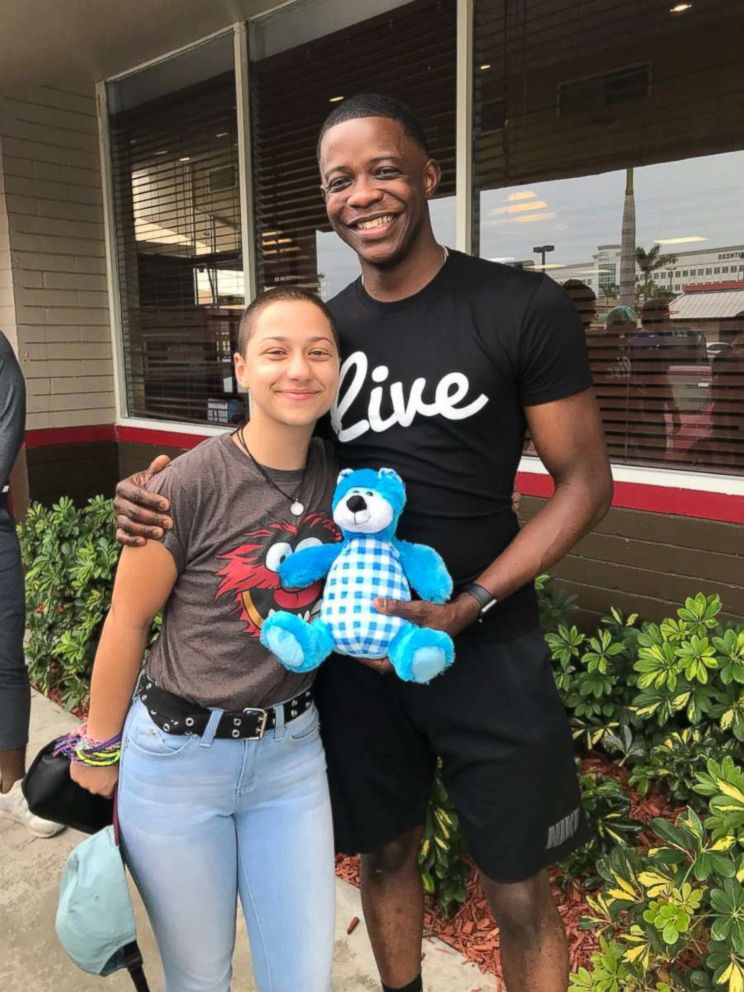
(203, 821)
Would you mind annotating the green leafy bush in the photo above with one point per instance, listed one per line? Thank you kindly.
(662, 698)
(673, 919)
(607, 807)
(443, 861)
(70, 557)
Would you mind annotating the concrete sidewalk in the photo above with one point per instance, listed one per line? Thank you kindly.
(32, 961)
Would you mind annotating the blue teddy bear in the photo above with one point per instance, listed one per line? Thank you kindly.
(369, 562)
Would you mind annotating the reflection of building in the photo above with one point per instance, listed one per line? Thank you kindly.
(696, 266)
(147, 189)
(691, 268)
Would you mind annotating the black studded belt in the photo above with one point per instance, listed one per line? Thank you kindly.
(175, 715)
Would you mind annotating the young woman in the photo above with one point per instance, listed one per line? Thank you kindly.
(222, 789)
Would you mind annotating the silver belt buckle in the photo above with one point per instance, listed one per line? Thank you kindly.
(262, 725)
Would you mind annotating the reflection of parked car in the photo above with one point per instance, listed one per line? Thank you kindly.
(689, 347)
(716, 348)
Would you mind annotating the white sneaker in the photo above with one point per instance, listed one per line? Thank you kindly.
(13, 804)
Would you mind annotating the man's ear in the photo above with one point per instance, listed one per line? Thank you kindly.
(432, 177)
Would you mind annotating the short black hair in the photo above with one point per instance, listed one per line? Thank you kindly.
(655, 310)
(375, 105)
(278, 294)
(579, 291)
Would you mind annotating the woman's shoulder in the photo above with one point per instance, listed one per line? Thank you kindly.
(186, 473)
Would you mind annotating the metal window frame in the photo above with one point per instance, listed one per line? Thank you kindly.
(464, 128)
(113, 285)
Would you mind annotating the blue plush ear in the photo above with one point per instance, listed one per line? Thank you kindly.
(389, 473)
(343, 473)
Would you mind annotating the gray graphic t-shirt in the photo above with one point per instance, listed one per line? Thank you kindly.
(231, 531)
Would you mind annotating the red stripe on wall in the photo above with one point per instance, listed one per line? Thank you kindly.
(653, 499)
(43, 437)
(46, 436)
(166, 439)
(628, 495)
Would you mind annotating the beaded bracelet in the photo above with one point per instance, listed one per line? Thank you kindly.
(77, 746)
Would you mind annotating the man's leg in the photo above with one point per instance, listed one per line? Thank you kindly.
(508, 764)
(534, 953)
(393, 901)
(12, 767)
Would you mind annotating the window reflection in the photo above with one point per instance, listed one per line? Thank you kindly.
(665, 354)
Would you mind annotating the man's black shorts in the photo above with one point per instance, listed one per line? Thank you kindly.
(497, 722)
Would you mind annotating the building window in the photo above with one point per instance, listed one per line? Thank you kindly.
(554, 178)
(300, 67)
(178, 234)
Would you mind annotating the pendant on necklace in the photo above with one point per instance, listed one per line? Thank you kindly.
(297, 509)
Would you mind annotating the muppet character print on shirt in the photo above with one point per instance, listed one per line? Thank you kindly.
(250, 573)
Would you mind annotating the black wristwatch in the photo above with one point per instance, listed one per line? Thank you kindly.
(485, 599)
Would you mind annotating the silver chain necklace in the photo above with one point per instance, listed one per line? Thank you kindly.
(296, 508)
(445, 256)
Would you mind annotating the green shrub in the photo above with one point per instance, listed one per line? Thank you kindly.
(656, 696)
(673, 919)
(607, 807)
(70, 557)
(443, 862)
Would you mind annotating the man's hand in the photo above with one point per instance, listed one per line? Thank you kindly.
(452, 617)
(140, 515)
(382, 666)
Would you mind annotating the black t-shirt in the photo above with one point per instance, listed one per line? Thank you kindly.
(434, 386)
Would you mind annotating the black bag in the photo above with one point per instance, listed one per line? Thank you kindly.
(52, 795)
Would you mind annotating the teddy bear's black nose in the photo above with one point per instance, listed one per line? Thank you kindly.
(356, 503)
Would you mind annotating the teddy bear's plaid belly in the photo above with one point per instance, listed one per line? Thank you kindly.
(365, 569)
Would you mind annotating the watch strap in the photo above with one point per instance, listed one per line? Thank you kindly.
(485, 599)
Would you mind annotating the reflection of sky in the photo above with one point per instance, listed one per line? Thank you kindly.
(338, 263)
(697, 196)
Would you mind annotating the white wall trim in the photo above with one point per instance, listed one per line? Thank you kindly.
(705, 482)
(112, 271)
(172, 427)
(464, 128)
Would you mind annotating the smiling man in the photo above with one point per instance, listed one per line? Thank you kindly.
(446, 360)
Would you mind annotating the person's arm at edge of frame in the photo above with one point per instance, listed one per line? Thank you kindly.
(12, 410)
(144, 580)
(568, 437)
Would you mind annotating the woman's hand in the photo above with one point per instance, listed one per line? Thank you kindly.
(101, 781)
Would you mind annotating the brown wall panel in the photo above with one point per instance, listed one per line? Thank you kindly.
(649, 563)
(136, 457)
(662, 557)
(76, 470)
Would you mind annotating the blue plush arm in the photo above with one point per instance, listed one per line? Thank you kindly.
(308, 565)
(425, 570)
